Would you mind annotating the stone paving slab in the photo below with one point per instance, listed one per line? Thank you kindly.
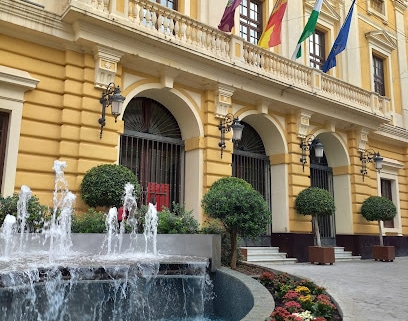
(365, 290)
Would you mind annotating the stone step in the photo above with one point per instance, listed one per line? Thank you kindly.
(341, 255)
(260, 258)
(268, 256)
(260, 249)
(265, 255)
(271, 264)
(348, 258)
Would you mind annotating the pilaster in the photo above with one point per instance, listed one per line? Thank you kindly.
(400, 8)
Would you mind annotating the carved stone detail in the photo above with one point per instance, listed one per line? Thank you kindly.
(303, 124)
(223, 100)
(106, 64)
(362, 139)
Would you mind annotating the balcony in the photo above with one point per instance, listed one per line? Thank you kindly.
(136, 28)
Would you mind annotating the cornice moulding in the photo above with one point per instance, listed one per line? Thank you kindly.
(396, 133)
(400, 5)
(382, 39)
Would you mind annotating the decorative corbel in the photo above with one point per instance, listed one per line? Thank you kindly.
(362, 139)
(303, 124)
(167, 77)
(262, 107)
(106, 65)
(223, 100)
(330, 126)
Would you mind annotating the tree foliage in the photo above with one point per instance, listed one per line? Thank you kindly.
(378, 208)
(241, 209)
(104, 185)
(314, 201)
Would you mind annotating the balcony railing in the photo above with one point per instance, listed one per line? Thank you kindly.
(153, 19)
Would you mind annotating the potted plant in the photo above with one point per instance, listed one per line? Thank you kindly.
(378, 208)
(316, 202)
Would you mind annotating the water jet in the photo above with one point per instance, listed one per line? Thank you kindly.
(57, 275)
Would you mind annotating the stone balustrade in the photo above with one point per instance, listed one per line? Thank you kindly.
(169, 25)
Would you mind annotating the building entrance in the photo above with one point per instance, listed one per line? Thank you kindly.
(321, 175)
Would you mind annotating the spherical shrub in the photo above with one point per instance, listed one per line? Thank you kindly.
(378, 208)
(314, 201)
(104, 185)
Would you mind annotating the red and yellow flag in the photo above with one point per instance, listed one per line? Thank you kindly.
(272, 34)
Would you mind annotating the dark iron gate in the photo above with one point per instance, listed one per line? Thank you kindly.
(153, 149)
(250, 162)
(255, 169)
(322, 176)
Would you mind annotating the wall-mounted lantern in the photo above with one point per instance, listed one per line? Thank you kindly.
(110, 97)
(306, 144)
(228, 123)
(369, 156)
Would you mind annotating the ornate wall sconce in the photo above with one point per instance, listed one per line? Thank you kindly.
(110, 97)
(369, 156)
(306, 144)
(228, 123)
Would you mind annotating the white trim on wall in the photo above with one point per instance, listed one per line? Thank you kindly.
(390, 172)
(13, 84)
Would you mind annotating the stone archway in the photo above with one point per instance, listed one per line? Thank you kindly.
(151, 146)
(250, 162)
(273, 138)
(338, 159)
(184, 110)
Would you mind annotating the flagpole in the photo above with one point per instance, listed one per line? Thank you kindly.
(309, 28)
(340, 42)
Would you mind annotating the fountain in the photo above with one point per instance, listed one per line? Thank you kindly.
(56, 275)
(6, 233)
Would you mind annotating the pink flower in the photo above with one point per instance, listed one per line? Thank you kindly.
(291, 295)
(292, 306)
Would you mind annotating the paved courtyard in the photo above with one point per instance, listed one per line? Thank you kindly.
(365, 290)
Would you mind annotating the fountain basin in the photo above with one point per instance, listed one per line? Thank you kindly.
(132, 285)
(141, 292)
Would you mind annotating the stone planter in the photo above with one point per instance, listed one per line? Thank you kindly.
(383, 253)
(321, 255)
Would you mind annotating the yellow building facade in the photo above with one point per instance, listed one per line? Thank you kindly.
(180, 76)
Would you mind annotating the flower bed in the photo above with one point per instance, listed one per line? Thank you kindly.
(298, 300)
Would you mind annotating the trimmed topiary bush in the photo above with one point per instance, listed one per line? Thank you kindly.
(241, 209)
(38, 213)
(316, 202)
(104, 185)
(378, 208)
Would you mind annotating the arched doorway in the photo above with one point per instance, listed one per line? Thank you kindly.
(321, 175)
(250, 162)
(153, 149)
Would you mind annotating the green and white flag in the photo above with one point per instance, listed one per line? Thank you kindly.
(309, 28)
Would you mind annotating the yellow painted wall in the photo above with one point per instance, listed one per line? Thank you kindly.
(59, 117)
